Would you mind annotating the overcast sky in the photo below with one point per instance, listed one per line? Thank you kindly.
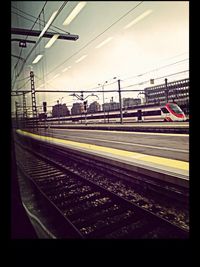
(157, 39)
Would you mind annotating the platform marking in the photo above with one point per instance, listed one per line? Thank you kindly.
(130, 144)
(119, 132)
(153, 159)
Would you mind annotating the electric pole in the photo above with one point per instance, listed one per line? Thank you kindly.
(166, 90)
(120, 102)
(16, 114)
(24, 110)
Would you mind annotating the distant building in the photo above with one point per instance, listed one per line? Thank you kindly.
(131, 102)
(110, 106)
(60, 110)
(94, 107)
(42, 116)
(77, 108)
(177, 91)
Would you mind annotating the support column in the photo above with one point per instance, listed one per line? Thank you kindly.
(120, 102)
(34, 106)
(16, 114)
(24, 110)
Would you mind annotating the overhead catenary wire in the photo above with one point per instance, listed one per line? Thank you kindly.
(138, 76)
(34, 23)
(88, 43)
(45, 82)
(156, 69)
(51, 27)
(108, 91)
(17, 75)
(158, 78)
(36, 44)
(102, 33)
(142, 74)
(138, 83)
(24, 84)
(25, 78)
(32, 20)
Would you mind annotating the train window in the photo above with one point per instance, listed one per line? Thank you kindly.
(176, 108)
(164, 110)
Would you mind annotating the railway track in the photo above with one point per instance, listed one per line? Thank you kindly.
(89, 209)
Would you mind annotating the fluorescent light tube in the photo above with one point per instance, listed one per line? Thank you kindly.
(56, 76)
(65, 69)
(81, 58)
(52, 40)
(142, 16)
(104, 42)
(37, 59)
(74, 13)
(48, 23)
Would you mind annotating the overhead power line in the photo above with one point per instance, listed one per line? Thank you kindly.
(17, 75)
(158, 78)
(36, 44)
(156, 69)
(95, 37)
(51, 27)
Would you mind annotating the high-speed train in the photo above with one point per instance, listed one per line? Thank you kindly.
(168, 112)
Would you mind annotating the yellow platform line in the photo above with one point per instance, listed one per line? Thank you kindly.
(147, 158)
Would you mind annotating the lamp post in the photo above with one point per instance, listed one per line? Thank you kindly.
(120, 101)
(166, 91)
(16, 114)
(103, 99)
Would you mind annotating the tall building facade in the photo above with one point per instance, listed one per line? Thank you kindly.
(77, 109)
(110, 106)
(131, 102)
(94, 107)
(60, 110)
(177, 91)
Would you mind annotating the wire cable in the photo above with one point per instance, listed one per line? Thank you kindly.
(95, 38)
(158, 78)
(36, 44)
(156, 69)
(16, 76)
(23, 84)
(55, 27)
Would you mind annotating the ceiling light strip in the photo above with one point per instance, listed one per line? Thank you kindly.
(52, 40)
(37, 59)
(66, 69)
(81, 58)
(74, 13)
(56, 76)
(48, 23)
(142, 16)
(104, 42)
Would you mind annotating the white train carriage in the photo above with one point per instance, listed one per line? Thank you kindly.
(167, 112)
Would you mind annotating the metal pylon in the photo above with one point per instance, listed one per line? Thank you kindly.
(34, 107)
(16, 113)
(24, 107)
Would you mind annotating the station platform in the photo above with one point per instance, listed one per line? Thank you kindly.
(167, 170)
(159, 127)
